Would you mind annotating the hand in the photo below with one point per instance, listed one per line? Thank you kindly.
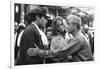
(41, 52)
(32, 51)
(69, 58)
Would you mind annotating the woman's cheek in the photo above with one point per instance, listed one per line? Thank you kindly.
(61, 29)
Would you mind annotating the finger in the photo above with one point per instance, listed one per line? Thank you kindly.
(36, 46)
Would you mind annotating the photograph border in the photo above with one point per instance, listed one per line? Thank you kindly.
(12, 29)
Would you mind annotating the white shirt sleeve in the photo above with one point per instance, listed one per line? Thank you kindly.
(44, 38)
(19, 38)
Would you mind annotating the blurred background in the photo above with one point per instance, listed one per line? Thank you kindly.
(85, 13)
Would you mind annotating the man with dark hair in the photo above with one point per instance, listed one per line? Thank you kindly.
(31, 38)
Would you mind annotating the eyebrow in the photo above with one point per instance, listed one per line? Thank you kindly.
(67, 23)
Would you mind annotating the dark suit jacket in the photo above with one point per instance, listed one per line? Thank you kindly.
(30, 37)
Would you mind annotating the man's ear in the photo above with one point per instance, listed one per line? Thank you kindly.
(37, 17)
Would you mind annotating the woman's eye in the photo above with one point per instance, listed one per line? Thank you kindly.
(61, 24)
(68, 23)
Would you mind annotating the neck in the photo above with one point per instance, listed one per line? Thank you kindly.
(61, 34)
(36, 22)
(76, 33)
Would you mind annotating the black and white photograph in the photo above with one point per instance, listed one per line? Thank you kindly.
(50, 34)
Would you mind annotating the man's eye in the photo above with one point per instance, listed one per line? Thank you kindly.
(58, 25)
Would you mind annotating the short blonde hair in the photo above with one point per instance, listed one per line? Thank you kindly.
(75, 19)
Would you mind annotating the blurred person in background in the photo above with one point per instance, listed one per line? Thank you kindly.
(86, 31)
(15, 27)
(92, 42)
(18, 35)
(49, 34)
(15, 30)
(89, 35)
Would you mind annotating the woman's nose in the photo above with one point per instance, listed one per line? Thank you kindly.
(66, 27)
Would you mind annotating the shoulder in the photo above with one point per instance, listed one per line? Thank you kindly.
(75, 41)
(84, 42)
(31, 28)
(55, 38)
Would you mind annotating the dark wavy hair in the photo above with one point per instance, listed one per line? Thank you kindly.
(54, 26)
(32, 17)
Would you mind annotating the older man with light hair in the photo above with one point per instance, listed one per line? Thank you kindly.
(78, 47)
